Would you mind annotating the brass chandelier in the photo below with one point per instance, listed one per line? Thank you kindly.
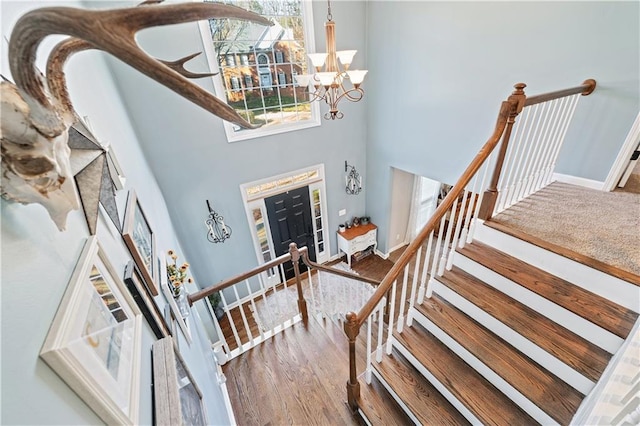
(329, 85)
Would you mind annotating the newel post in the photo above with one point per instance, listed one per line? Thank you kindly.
(490, 197)
(352, 330)
(302, 303)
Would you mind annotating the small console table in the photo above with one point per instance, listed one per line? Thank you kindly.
(356, 239)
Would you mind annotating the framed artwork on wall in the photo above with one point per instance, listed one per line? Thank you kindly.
(141, 241)
(172, 303)
(177, 398)
(94, 341)
(145, 301)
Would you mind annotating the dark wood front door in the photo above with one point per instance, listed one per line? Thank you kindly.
(289, 216)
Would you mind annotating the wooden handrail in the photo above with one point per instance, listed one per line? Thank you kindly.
(440, 211)
(345, 274)
(586, 88)
(239, 278)
(506, 118)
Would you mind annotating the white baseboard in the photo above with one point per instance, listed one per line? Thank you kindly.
(579, 181)
(382, 255)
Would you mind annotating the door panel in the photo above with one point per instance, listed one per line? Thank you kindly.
(289, 216)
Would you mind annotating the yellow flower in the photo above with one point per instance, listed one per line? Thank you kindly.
(171, 253)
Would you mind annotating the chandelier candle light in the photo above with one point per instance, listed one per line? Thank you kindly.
(217, 231)
(329, 85)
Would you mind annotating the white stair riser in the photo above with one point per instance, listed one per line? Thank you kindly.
(436, 383)
(578, 325)
(395, 396)
(533, 351)
(495, 379)
(593, 280)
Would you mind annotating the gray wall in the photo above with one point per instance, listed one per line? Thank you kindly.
(38, 260)
(188, 152)
(439, 70)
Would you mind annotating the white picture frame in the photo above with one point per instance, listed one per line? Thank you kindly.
(168, 295)
(95, 339)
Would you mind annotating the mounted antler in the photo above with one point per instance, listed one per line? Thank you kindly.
(37, 112)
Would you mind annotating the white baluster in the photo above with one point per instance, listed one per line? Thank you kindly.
(391, 315)
(381, 305)
(367, 375)
(434, 263)
(403, 296)
(445, 246)
(255, 311)
(549, 146)
(313, 299)
(572, 110)
(425, 269)
(414, 286)
(540, 146)
(512, 155)
(456, 233)
(476, 212)
(267, 305)
(243, 315)
(231, 323)
(216, 323)
(469, 212)
(526, 149)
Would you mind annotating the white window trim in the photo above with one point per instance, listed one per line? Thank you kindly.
(210, 54)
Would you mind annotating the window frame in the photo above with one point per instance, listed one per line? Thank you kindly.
(220, 91)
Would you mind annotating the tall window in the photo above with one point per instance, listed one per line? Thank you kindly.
(269, 56)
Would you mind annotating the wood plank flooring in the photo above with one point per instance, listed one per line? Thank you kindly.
(298, 377)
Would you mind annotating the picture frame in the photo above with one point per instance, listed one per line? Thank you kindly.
(175, 310)
(177, 398)
(94, 342)
(141, 241)
(144, 299)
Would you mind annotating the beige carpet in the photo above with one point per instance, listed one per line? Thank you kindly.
(602, 225)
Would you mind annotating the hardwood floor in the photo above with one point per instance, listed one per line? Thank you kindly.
(297, 377)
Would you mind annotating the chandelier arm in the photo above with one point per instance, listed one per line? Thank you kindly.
(353, 95)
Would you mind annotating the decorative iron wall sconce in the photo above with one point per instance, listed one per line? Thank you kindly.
(217, 231)
(353, 180)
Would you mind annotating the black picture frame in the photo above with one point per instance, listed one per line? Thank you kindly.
(143, 298)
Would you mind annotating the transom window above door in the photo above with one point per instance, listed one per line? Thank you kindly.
(257, 65)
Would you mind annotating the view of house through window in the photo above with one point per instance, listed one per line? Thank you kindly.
(257, 65)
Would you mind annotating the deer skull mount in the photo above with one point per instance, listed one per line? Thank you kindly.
(36, 111)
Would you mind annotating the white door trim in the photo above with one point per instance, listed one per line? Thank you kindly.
(254, 193)
(622, 161)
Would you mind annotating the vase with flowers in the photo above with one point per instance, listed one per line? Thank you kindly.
(177, 274)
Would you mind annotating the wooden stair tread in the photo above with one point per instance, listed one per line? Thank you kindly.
(556, 398)
(585, 357)
(480, 397)
(379, 407)
(417, 393)
(599, 310)
(563, 251)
